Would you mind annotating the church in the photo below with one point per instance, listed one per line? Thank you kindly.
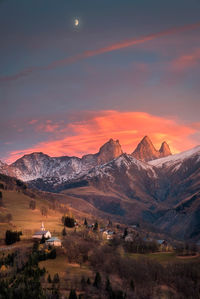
(38, 235)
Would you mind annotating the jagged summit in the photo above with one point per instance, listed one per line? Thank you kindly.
(110, 150)
(164, 150)
(145, 151)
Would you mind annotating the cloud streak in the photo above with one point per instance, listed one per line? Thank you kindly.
(187, 60)
(129, 127)
(100, 51)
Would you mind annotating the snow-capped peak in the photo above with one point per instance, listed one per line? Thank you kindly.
(177, 158)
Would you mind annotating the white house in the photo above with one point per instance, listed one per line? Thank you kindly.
(129, 238)
(53, 242)
(108, 234)
(38, 235)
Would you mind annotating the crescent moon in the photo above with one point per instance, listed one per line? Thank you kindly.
(76, 22)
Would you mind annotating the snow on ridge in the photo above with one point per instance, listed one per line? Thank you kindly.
(128, 160)
(177, 158)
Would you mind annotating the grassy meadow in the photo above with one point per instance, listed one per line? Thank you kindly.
(25, 219)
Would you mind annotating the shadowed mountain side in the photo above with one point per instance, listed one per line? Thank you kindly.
(182, 221)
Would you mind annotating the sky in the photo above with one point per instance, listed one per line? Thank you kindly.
(130, 68)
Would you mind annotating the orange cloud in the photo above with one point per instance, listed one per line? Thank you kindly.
(187, 60)
(128, 127)
(110, 48)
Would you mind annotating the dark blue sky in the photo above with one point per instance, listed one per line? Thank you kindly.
(159, 77)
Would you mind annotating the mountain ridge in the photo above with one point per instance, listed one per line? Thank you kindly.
(164, 192)
(39, 165)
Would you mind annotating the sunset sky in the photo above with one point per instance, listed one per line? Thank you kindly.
(130, 68)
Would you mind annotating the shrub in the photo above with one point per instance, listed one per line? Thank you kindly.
(69, 221)
(12, 237)
(32, 204)
(73, 295)
(97, 280)
(56, 278)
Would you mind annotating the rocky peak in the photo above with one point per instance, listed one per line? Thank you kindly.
(165, 150)
(145, 151)
(109, 151)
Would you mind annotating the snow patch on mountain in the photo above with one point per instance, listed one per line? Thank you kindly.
(177, 159)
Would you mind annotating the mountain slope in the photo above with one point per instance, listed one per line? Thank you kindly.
(152, 191)
(16, 197)
(183, 220)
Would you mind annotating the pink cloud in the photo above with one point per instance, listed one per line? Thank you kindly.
(33, 121)
(187, 60)
(86, 136)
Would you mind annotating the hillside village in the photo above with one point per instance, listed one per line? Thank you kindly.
(71, 252)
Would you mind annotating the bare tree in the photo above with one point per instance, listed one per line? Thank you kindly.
(44, 211)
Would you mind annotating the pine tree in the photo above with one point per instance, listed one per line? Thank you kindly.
(96, 226)
(73, 295)
(69, 221)
(42, 241)
(35, 246)
(88, 281)
(83, 282)
(109, 223)
(32, 204)
(64, 233)
(85, 222)
(1, 201)
(49, 279)
(125, 232)
(97, 280)
(132, 285)
(56, 278)
(108, 285)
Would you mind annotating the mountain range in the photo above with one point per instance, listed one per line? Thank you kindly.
(149, 186)
(39, 165)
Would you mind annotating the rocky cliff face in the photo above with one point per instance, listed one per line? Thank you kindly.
(109, 151)
(145, 151)
(164, 150)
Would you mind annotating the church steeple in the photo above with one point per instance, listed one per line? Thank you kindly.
(42, 227)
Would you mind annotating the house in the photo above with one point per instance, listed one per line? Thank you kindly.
(38, 235)
(108, 234)
(53, 242)
(90, 225)
(109, 237)
(129, 238)
(163, 245)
